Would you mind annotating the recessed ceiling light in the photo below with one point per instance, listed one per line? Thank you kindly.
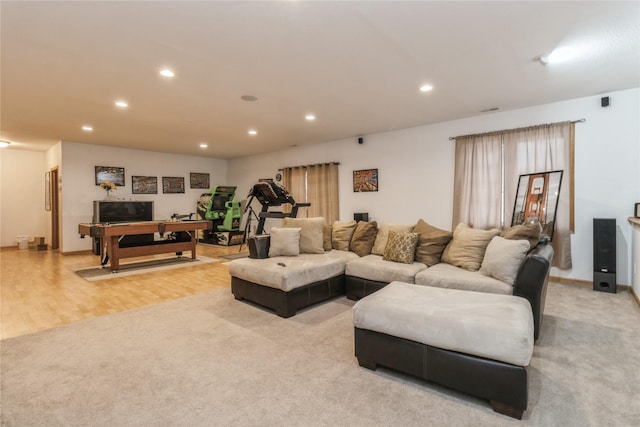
(426, 88)
(203, 145)
(4, 144)
(248, 98)
(87, 128)
(562, 54)
(253, 132)
(121, 104)
(310, 117)
(167, 73)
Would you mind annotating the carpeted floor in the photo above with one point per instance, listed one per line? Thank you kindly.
(210, 360)
(138, 267)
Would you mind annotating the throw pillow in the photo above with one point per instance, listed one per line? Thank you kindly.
(363, 238)
(530, 232)
(326, 237)
(341, 235)
(383, 235)
(431, 243)
(503, 258)
(467, 247)
(284, 242)
(401, 247)
(311, 234)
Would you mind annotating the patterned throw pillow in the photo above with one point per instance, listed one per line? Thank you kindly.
(401, 247)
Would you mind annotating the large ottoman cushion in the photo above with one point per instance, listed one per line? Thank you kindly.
(288, 272)
(375, 268)
(445, 275)
(497, 327)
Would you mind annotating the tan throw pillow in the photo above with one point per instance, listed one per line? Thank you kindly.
(383, 234)
(341, 235)
(530, 232)
(326, 237)
(503, 258)
(401, 247)
(311, 234)
(431, 243)
(284, 242)
(363, 238)
(467, 247)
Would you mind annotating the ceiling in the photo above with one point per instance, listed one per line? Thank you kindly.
(357, 66)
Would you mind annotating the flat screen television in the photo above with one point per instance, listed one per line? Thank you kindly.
(121, 211)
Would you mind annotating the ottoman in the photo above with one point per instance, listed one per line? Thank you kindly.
(474, 342)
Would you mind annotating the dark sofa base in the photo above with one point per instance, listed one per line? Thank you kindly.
(357, 288)
(286, 304)
(504, 385)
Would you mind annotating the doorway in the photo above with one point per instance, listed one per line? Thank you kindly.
(55, 209)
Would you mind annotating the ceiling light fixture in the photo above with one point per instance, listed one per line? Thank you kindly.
(4, 144)
(87, 128)
(167, 73)
(121, 104)
(248, 98)
(253, 132)
(561, 54)
(426, 88)
(203, 145)
(310, 117)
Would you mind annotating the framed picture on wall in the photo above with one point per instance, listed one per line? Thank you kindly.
(111, 174)
(173, 184)
(199, 180)
(144, 184)
(365, 180)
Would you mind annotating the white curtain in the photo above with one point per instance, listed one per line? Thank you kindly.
(542, 149)
(478, 181)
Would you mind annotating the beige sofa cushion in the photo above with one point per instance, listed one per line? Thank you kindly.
(326, 237)
(373, 267)
(431, 243)
(467, 247)
(383, 234)
(503, 258)
(341, 234)
(445, 275)
(530, 232)
(310, 234)
(401, 247)
(363, 238)
(496, 327)
(284, 241)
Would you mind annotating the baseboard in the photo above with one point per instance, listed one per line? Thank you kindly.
(566, 281)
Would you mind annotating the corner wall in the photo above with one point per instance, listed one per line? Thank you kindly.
(416, 169)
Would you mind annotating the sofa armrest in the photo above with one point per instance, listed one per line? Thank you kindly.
(531, 281)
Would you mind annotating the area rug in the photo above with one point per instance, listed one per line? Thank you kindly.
(140, 267)
(209, 360)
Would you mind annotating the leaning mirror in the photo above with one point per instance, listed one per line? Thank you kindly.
(537, 200)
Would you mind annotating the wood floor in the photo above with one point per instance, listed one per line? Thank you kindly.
(40, 290)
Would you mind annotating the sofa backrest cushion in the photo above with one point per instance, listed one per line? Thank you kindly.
(284, 242)
(363, 238)
(401, 247)
(466, 249)
(383, 234)
(310, 235)
(503, 258)
(530, 232)
(326, 237)
(431, 243)
(341, 234)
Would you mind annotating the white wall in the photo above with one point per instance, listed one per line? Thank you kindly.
(21, 195)
(416, 169)
(79, 189)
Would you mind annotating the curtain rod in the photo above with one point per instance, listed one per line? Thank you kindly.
(309, 166)
(452, 138)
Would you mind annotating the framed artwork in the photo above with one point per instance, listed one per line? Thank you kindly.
(144, 184)
(47, 191)
(111, 174)
(537, 200)
(199, 180)
(365, 180)
(173, 184)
